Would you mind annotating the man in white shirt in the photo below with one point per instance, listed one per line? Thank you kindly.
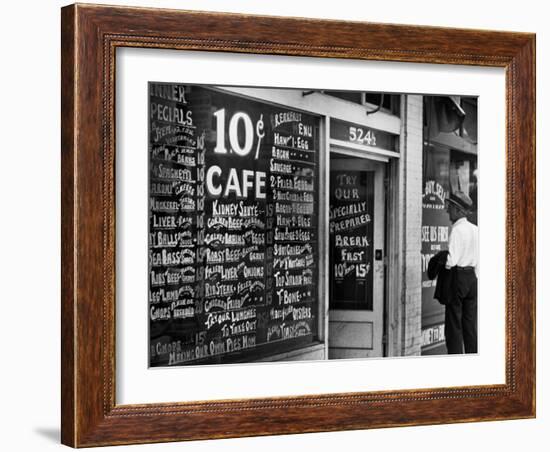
(461, 312)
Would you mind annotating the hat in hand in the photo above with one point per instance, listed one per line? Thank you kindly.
(460, 200)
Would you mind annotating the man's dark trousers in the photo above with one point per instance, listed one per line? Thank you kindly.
(461, 312)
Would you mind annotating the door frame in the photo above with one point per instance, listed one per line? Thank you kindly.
(379, 167)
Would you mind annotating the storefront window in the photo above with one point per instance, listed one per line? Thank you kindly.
(435, 234)
(351, 235)
(463, 176)
(233, 233)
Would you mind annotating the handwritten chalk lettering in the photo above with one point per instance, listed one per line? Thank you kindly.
(245, 327)
(350, 241)
(346, 193)
(157, 205)
(301, 143)
(157, 279)
(238, 119)
(240, 343)
(188, 204)
(182, 302)
(280, 313)
(254, 180)
(253, 223)
(286, 117)
(302, 328)
(277, 167)
(288, 263)
(274, 332)
(171, 277)
(168, 221)
(244, 314)
(282, 140)
(171, 113)
(254, 238)
(159, 188)
(174, 93)
(291, 250)
(186, 160)
(295, 235)
(233, 209)
(243, 286)
(344, 269)
(160, 313)
(180, 357)
(217, 318)
(295, 313)
(221, 272)
(291, 183)
(209, 215)
(351, 256)
(225, 304)
(348, 224)
(301, 313)
(305, 130)
(231, 255)
(248, 211)
(183, 313)
(292, 196)
(173, 153)
(300, 221)
(184, 189)
(288, 331)
(347, 210)
(287, 279)
(164, 295)
(253, 272)
(168, 239)
(173, 135)
(218, 290)
(164, 348)
(256, 256)
(224, 239)
(298, 208)
(166, 257)
(165, 172)
(281, 154)
(238, 328)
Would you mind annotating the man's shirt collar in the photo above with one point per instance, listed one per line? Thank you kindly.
(460, 220)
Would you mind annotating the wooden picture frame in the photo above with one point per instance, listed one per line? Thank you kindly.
(90, 37)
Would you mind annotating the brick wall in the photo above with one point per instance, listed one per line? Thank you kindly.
(412, 221)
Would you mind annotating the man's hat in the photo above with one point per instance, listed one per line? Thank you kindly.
(460, 200)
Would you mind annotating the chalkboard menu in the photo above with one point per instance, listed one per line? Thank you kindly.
(232, 227)
(351, 236)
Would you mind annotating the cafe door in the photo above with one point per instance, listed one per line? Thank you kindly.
(356, 260)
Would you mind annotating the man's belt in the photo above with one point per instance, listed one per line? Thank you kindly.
(465, 268)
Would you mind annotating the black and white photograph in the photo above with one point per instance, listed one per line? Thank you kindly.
(275, 226)
(299, 224)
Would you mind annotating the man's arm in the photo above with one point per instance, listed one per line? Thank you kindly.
(453, 249)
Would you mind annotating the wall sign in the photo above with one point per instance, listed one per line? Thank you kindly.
(362, 135)
(436, 228)
(351, 239)
(233, 229)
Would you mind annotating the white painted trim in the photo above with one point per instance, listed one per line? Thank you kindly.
(354, 153)
(365, 150)
(323, 105)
